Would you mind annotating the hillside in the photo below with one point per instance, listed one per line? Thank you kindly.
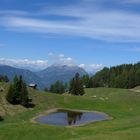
(123, 105)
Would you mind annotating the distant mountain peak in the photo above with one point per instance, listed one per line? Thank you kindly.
(45, 77)
(63, 65)
(62, 73)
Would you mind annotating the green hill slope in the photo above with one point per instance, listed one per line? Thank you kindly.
(123, 105)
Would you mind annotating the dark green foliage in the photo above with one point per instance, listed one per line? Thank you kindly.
(16, 90)
(91, 84)
(24, 99)
(4, 78)
(17, 93)
(57, 87)
(10, 95)
(76, 85)
(123, 76)
(86, 81)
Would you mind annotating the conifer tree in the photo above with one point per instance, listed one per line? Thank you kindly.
(76, 85)
(57, 87)
(16, 90)
(24, 95)
(18, 93)
(10, 95)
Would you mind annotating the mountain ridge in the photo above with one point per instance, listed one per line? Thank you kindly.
(45, 77)
(62, 73)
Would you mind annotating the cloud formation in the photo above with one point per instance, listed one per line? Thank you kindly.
(88, 19)
(54, 59)
(92, 68)
(25, 63)
(61, 59)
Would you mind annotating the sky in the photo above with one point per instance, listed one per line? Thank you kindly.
(89, 33)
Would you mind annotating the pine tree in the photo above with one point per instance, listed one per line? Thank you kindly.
(57, 87)
(76, 85)
(85, 80)
(16, 90)
(52, 89)
(71, 85)
(81, 88)
(24, 95)
(17, 93)
(10, 95)
(62, 87)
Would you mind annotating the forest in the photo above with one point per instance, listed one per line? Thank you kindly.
(122, 76)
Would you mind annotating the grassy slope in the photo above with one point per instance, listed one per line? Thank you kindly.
(122, 105)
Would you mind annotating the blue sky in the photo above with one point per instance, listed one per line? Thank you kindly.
(89, 33)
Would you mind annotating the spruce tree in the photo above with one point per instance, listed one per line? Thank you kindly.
(85, 80)
(76, 85)
(24, 95)
(10, 95)
(17, 93)
(16, 90)
(71, 85)
(57, 87)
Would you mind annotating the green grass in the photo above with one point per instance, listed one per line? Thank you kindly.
(122, 105)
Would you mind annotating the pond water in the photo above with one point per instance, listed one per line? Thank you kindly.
(71, 118)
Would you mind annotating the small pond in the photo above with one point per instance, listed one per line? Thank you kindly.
(71, 118)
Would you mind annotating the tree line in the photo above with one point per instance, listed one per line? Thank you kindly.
(75, 86)
(122, 76)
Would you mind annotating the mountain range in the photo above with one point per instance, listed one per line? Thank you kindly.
(45, 77)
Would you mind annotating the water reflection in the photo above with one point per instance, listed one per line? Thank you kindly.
(66, 117)
(73, 117)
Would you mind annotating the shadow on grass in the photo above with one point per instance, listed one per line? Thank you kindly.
(1, 118)
(30, 105)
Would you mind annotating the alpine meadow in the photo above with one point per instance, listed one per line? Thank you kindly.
(69, 70)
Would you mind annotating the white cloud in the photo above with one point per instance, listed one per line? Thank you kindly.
(69, 59)
(82, 66)
(110, 25)
(25, 63)
(61, 59)
(92, 68)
